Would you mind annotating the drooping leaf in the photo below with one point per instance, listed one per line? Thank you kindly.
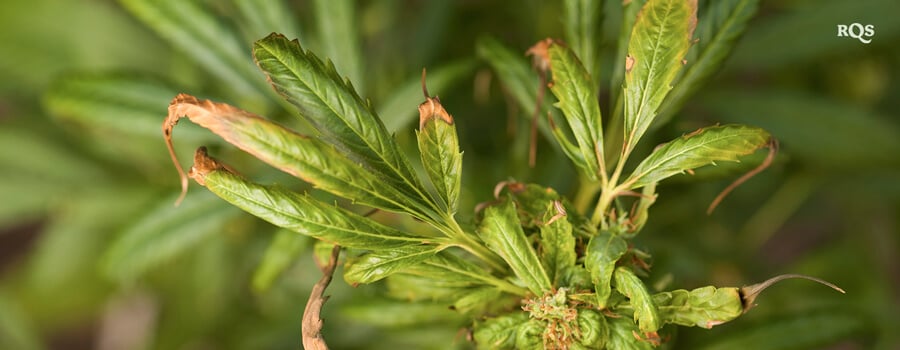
(803, 331)
(581, 19)
(376, 265)
(338, 36)
(308, 158)
(577, 94)
(439, 149)
(601, 255)
(645, 310)
(283, 250)
(336, 110)
(499, 332)
(702, 307)
(199, 34)
(622, 335)
(304, 214)
(396, 110)
(395, 314)
(659, 41)
(723, 24)
(699, 148)
(164, 233)
(502, 233)
(557, 244)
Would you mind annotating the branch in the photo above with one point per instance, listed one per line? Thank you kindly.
(312, 322)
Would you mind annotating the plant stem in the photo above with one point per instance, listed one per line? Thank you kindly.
(469, 244)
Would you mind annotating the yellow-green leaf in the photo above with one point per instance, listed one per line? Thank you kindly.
(502, 233)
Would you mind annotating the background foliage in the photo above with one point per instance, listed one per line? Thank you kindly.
(94, 254)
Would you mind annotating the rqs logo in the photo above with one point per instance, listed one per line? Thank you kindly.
(863, 33)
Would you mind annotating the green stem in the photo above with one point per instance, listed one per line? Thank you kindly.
(587, 190)
(469, 244)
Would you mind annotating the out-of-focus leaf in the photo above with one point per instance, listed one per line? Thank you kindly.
(699, 148)
(477, 299)
(40, 158)
(645, 311)
(660, 39)
(16, 329)
(114, 102)
(499, 332)
(820, 20)
(322, 252)
(398, 108)
(577, 94)
(601, 255)
(305, 215)
(285, 247)
(308, 158)
(165, 232)
(261, 17)
(502, 233)
(439, 149)
(199, 34)
(336, 110)
(530, 334)
(581, 19)
(702, 307)
(519, 80)
(816, 130)
(629, 15)
(376, 265)
(722, 25)
(395, 314)
(621, 335)
(557, 244)
(336, 23)
(806, 331)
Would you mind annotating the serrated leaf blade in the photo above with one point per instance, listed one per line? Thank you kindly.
(601, 255)
(439, 149)
(645, 311)
(659, 41)
(699, 148)
(378, 264)
(501, 232)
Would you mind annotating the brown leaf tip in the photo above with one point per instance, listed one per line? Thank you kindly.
(540, 53)
(203, 165)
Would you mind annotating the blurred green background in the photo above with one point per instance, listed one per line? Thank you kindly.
(94, 255)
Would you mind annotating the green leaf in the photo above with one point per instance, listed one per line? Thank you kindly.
(629, 15)
(581, 19)
(305, 215)
(499, 332)
(378, 264)
(439, 148)
(660, 39)
(621, 335)
(501, 232)
(397, 110)
(517, 77)
(336, 111)
(478, 299)
(283, 251)
(815, 129)
(530, 334)
(194, 30)
(594, 330)
(336, 23)
(395, 314)
(723, 24)
(601, 255)
(557, 245)
(17, 330)
(645, 311)
(702, 307)
(577, 94)
(815, 330)
(165, 232)
(308, 158)
(261, 17)
(702, 147)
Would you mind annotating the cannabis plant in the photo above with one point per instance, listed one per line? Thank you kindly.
(528, 269)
